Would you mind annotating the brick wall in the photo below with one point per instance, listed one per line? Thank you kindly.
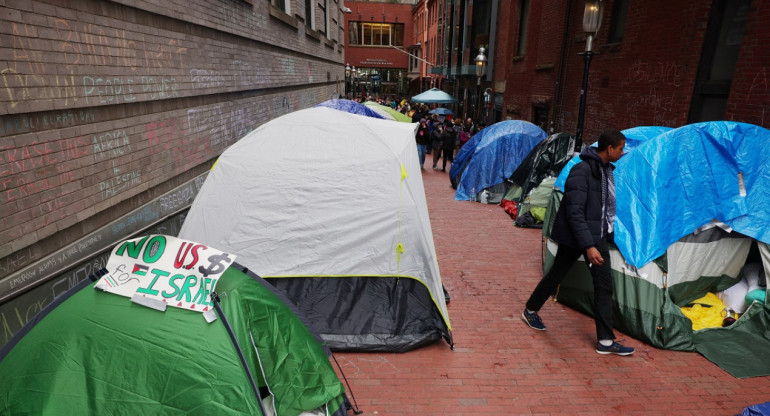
(380, 56)
(105, 105)
(647, 79)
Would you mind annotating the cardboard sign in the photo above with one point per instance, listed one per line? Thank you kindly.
(178, 272)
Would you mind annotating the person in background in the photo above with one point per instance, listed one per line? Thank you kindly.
(448, 139)
(422, 137)
(470, 128)
(432, 121)
(437, 142)
(417, 115)
(583, 226)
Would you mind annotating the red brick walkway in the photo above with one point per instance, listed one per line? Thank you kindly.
(501, 367)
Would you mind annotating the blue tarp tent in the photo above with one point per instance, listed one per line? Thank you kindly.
(693, 206)
(682, 179)
(491, 155)
(350, 107)
(634, 137)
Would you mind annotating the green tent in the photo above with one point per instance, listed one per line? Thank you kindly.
(684, 185)
(93, 352)
(387, 111)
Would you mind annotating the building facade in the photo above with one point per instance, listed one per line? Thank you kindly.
(653, 63)
(657, 63)
(112, 112)
(377, 46)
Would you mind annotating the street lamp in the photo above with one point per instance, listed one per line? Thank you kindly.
(592, 20)
(347, 79)
(481, 66)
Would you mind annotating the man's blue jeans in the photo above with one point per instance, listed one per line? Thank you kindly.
(421, 149)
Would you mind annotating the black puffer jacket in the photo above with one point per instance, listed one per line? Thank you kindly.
(578, 222)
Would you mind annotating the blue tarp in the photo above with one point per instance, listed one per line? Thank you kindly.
(492, 155)
(682, 179)
(634, 137)
(757, 410)
(350, 107)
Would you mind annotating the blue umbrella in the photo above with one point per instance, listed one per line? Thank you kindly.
(442, 111)
(434, 96)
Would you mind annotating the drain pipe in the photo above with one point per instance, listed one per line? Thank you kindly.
(562, 73)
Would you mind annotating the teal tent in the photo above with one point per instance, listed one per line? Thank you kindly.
(93, 352)
(692, 214)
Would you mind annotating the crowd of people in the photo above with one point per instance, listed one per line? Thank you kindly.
(441, 136)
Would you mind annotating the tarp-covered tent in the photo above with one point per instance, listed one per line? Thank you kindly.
(634, 137)
(99, 353)
(491, 155)
(330, 207)
(546, 160)
(671, 190)
(350, 106)
(387, 112)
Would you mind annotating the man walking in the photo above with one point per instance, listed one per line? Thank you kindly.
(583, 225)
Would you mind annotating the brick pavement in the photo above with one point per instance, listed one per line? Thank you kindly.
(501, 367)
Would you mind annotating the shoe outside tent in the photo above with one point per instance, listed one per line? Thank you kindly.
(144, 336)
(330, 208)
(491, 156)
(692, 211)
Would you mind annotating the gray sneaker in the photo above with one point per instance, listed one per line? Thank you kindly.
(533, 320)
(615, 348)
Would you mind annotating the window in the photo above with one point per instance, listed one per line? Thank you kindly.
(521, 46)
(281, 4)
(353, 33)
(309, 14)
(618, 21)
(326, 18)
(376, 34)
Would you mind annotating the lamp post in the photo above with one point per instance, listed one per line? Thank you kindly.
(481, 66)
(347, 80)
(592, 20)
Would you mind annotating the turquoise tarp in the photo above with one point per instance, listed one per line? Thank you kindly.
(682, 179)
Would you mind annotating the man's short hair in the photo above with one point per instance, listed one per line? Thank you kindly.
(610, 137)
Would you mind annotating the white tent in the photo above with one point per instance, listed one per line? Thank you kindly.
(330, 207)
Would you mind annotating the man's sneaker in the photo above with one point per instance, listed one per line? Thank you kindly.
(615, 348)
(533, 320)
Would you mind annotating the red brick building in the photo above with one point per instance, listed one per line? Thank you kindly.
(658, 63)
(377, 39)
(653, 63)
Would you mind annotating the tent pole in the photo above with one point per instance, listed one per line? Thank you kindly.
(221, 315)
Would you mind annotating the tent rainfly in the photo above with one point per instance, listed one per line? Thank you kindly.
(330, 208)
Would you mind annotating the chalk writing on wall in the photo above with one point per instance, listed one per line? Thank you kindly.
(23, 123)
(67, 267)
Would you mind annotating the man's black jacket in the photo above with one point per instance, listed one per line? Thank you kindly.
(578, 222)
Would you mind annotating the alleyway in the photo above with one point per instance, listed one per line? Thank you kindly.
(501, 367)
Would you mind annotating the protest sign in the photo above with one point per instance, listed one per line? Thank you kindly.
(178, 272)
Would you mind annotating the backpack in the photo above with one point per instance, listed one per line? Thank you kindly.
(464, 137)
